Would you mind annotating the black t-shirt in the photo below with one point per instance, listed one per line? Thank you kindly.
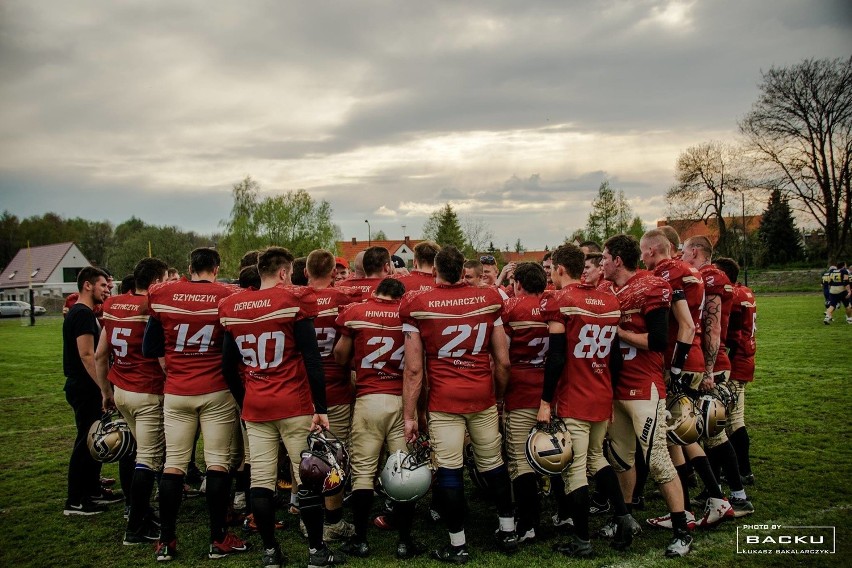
(80, 320)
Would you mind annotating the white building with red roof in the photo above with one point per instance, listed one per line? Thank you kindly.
(51, 270)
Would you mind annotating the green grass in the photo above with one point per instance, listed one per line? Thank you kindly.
(797, 412)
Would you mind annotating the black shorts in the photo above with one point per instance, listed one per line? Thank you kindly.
(834, 300)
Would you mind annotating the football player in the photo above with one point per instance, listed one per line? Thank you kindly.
(422, 277)
(741, 347)
(371, 337)
(473, 273)
(528, 341)
(455, 327)
(138, 393)
(376, 262)
(270, 341)
(719, 294)
(87, 394)
(592, 274)
(839, 293)
(582, 325)
(639, 407)
(547, 264)
(339, 394)
(184, 328)
(685, 367)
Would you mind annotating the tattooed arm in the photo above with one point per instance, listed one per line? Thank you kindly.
(712, 332)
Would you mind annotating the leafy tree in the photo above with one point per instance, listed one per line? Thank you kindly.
(778, 232)
(707, 176)
(168, 243)
(610, 215)
(293, 220)
(520, 248)
(10, 238)
(444, 228)
(800, 128)
(637, 228)
(379, 236)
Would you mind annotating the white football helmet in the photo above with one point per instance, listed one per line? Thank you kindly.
(408, 476)
(110, 438)
(548, 449)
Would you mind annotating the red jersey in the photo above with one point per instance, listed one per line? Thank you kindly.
(642, 368)
(378, 345)
(590, 317)
(741, 333)
(529, 339)
(455, 322)
(188, 312)
(686, 282)
(417, 280)
(272, 369)
(124, 320)
(716, 283)
(364, 285)
(338, 385)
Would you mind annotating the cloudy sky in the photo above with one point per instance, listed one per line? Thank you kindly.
(513, 111)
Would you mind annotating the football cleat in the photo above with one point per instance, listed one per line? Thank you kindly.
(626, 528)
(166, 551)
(340, 530)
(599, 507)
(575, 547)
(354, 547)
(147, 534)
(323, 557)
(106, 497)
(665, 522)
(680, 545)
(410, 549)
(272, 558)
(747, 479)
(558, 522)
(230, 544)
(507, 541)
(716, 511)
(742, 507)
(610, 530)
(452, 554)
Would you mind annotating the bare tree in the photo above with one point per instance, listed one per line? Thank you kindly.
(477, 233)
(707, 176)
(800, 128)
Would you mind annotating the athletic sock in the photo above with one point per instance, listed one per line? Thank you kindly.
(701, 465)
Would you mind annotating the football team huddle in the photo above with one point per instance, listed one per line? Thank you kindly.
(545, 377)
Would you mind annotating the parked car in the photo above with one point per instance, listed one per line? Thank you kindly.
(14, 308)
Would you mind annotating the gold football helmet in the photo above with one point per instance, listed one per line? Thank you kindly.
(110, 438)
(714, 415)
(549, 450)
(683, 425)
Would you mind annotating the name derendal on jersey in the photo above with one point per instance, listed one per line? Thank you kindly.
(684, 281)
(527, 330)
(124, 319)
(338, 386)
(376, 331)
(188, 312)
(590, 317)
(639, 296)
(455, 322)
(261, 322)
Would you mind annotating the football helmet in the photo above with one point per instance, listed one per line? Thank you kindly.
(110, 438)
(324, 464)
(548, 448)
(713, 414)
(408, 476)
(683, 425)
(726, 394)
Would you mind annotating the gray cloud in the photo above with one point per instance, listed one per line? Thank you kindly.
(501, 106)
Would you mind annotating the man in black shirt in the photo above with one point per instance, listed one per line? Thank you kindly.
(88, 397)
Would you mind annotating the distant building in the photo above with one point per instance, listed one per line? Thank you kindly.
(51, 269)
(403, 249)
(526, 256)
(709, 228)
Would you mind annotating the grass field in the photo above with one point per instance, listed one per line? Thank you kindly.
(796, 411)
